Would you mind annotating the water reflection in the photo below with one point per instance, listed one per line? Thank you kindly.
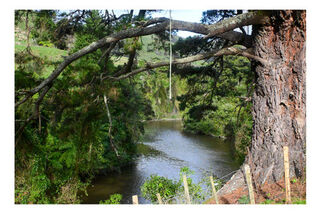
(163, 151)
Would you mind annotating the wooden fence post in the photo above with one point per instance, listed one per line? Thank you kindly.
(159, 198)
(249, 182)
(135, 199)
(186, 189)
(214, 190)
(287, 173)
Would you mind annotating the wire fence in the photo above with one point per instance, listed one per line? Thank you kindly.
(192, 198)
(206, 192)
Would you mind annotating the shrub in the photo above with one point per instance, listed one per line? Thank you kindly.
(170, 189)
(157, 184)
(114, 199)
(244, 200)
(46, 44)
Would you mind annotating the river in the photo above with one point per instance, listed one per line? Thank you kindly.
(164, 149)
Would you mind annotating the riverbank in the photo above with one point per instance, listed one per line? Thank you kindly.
(180, 119)
(163, 119)
(204, 134)
(273, 193)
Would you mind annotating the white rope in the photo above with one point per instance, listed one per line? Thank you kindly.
(170, 96)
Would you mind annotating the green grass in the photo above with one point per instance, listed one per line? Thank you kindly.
(244, 200)
(119, 61)
(154, 54)
(298, 201)
(283, 201)
(53, 54)
(151, 56)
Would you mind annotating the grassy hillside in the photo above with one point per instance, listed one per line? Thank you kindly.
(53, 54)
(155, 86)
(42, 55)
(47, 56)
(152, 50)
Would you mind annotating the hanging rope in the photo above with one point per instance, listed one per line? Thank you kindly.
(170, 67)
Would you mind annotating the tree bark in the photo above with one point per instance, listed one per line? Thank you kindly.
(105, 99)
(279, 100)
(250, 18)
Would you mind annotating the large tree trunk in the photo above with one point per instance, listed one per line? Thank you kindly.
(279, 100)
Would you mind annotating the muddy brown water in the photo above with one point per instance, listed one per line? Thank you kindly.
(164, 149)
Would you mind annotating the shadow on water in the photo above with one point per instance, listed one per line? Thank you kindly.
(163, 150)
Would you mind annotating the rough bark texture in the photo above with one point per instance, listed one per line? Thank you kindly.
(279, 100)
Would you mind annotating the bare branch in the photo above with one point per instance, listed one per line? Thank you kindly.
(150, 22)
(141, 31)
(106, 54)
(256, 17)
(241, 51)
(131, 58)
(165, 63)
(105, 99)
(34, 115)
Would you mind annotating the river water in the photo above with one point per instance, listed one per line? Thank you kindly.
(164, 149)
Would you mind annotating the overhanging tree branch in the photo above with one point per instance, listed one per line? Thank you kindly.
(240, 51)
(107, 52)
(35, 114)
(105, 99)
(250, 18)
(164, 63)
(141, 31)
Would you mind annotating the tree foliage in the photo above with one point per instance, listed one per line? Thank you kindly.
(67, 139)
(66, 132)
(218, 101)
(172, 191)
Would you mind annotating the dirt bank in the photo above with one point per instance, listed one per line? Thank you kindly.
(269, 193)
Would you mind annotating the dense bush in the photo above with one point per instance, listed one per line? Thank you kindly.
(158, 184)
(114, 199)
(219, 104)
(58, 153)
(172, 191)
(63, 142)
